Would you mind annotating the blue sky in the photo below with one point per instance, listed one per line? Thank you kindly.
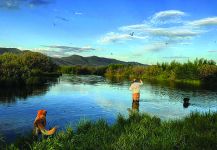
(145, 31)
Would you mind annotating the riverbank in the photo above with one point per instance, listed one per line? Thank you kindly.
(139, 131)
(195, 72)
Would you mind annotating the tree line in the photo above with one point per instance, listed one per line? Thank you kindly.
(25, 68)
(32, 68)
(199, 69)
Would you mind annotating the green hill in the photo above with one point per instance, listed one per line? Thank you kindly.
(74, 60)
(9, 50)
(89, 61)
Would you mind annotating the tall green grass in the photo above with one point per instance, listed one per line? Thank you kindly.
(138, 131)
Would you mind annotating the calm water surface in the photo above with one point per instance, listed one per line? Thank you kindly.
(75, 98)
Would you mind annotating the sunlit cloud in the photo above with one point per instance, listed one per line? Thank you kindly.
(152, 47)
(204, 22)
(78, 13)
(16, 4)
(172, 32)
(155, 47)
(117, 37)
(61, 50)
(114, 37)
(175, 31)
(10, 4)
(136, 27)
(168, 16)
(70, 48)
(158, 46)
(152, 28)
(40, 2)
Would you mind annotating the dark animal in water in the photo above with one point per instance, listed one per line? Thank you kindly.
(186, 102)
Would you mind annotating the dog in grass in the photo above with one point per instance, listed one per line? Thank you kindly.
(40, 123)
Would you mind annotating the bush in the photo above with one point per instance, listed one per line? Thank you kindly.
(24, 68)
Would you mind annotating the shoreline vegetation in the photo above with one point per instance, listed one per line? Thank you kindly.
(138, 131)
(28, 68)
(33, 68)
(192, 72)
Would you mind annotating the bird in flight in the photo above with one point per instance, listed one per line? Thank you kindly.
(131, 34)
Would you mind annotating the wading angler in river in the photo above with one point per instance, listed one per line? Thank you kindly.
(135, 88)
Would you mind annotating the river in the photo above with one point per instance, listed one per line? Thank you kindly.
(72, 99)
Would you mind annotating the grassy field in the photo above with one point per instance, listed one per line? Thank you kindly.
(138, 131)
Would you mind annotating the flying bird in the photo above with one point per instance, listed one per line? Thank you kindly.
(131, 34)
(62, 18)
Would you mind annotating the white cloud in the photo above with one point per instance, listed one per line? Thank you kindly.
(64, 48)
(78, 13)
(161, 28)
(168, 16)
(112, 37)
(172, 32)
(204, 22)
(152, 47)
(143, 29)
(136, 27)
(155, 47)
(61, 50)
(17, 4)
(168, 13)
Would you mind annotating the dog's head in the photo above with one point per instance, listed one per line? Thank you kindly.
(42, 112)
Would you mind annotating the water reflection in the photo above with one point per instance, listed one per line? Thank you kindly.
(11, 94)
(84, 79)
(94, 97)
(183, 86)
(134, 109)
(135, 106)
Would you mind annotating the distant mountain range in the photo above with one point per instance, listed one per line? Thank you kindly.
(76, 59)
(92, 61)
